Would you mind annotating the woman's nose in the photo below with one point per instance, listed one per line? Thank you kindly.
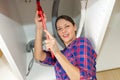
(64, 30)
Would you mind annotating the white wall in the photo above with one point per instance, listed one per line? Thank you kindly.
(109, 57)
(12, 37)
(40, 72)
(97, 18)
(30, 30)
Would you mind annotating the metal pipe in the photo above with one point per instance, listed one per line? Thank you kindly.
(54, 17)
(82, 19)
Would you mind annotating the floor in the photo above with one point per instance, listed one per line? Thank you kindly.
(109, 75)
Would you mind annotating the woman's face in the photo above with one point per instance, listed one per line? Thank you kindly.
(66, 30)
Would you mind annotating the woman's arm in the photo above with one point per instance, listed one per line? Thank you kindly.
(39, 54)
(72, 71)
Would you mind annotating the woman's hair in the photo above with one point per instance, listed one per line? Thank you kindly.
(64, 17)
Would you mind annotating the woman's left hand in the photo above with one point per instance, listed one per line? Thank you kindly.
(51, 43)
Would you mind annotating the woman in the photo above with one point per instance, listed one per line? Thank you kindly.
(76, 61)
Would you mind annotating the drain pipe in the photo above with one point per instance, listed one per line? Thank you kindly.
(82, 19)
(54, 17)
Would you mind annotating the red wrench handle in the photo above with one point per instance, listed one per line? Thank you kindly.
(40, 14)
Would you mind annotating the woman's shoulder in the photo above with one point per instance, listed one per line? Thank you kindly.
(83, 39)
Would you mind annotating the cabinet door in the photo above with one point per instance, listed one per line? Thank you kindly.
(12, 44)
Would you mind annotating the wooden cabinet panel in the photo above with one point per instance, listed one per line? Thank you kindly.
(1, 53)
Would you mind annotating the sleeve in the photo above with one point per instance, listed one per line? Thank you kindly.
(49, 60)
(85, 57)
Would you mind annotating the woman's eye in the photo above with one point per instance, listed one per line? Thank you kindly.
(67, 26)
(59, 29)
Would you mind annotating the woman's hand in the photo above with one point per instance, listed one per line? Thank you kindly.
(38, 20)
(51, 43)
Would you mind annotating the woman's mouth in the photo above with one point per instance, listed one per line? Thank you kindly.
(65, 35)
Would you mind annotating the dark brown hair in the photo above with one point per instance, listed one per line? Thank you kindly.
(66, 18)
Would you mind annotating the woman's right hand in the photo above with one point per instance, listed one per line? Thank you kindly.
(38, 53)
(38, 20)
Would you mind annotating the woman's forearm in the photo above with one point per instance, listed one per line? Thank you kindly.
(72, 71)
(39, 54)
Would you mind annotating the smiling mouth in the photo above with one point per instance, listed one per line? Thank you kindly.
(65, 35)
